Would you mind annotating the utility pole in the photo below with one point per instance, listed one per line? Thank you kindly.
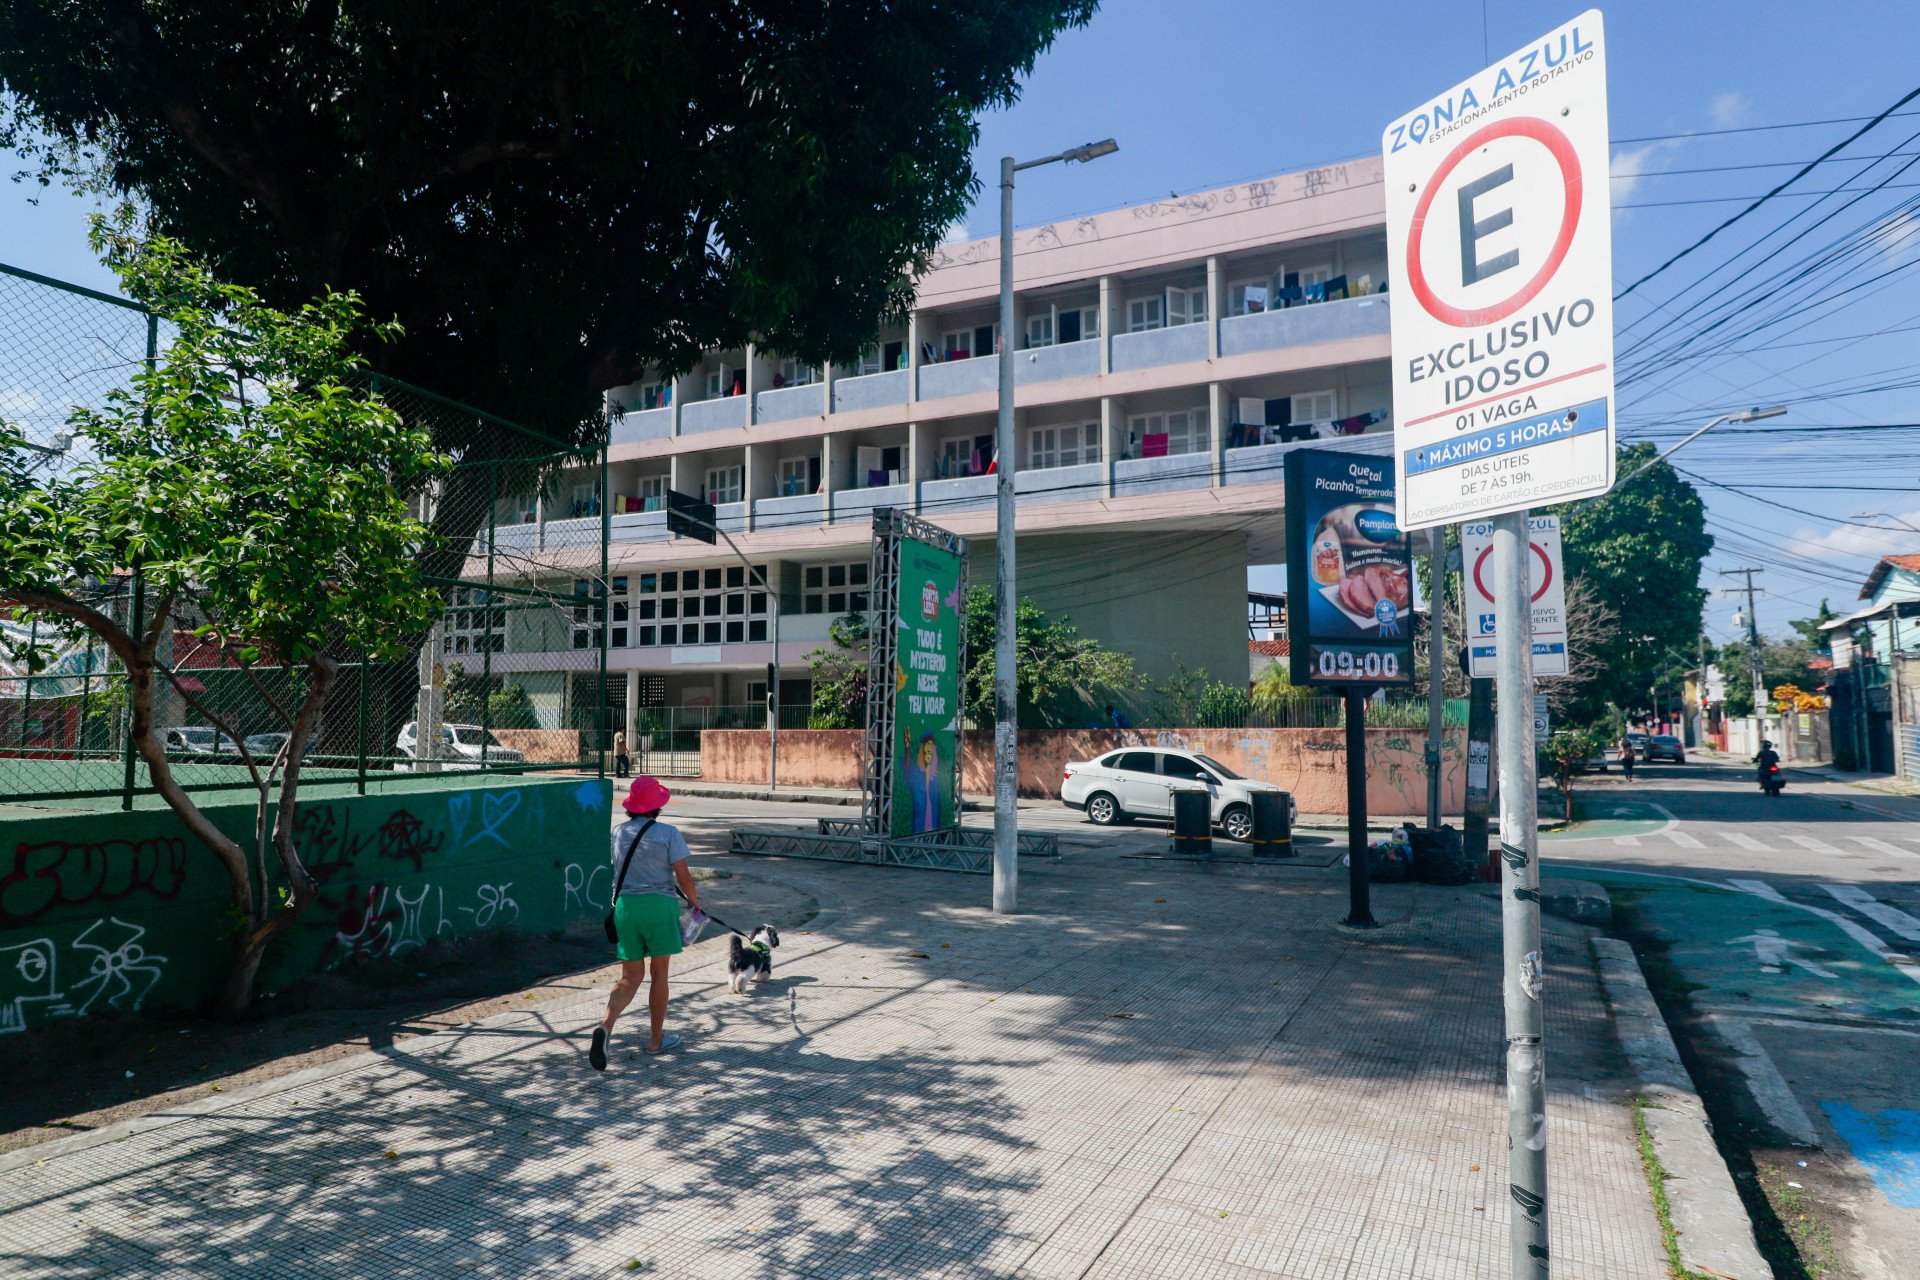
(1753, 645)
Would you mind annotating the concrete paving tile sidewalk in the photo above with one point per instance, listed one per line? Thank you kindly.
(1160, 1070)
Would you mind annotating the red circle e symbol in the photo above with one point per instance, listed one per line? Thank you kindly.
(1561, 149)
(1546, 572)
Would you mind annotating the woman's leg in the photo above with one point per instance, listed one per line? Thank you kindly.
(656, 998)
(631, 971)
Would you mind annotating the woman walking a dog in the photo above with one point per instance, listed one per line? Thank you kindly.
(646, 914)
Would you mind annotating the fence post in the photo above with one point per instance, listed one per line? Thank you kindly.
(606, 617)
(26, 682)
(137, 608)
(486, 632)
(360, 731)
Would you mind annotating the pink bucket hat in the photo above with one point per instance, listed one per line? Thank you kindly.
(645, 796)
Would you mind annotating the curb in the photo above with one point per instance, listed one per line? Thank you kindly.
(1714, 1233)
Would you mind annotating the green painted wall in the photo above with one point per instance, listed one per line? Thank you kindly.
(127, 911)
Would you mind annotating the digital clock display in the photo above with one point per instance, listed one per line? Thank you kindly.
(1354, 664)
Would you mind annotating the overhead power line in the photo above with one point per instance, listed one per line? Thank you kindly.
(1758, 128)
(1800, 173)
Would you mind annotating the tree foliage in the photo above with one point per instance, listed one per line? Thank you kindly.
(1563, 756)
(1639, 550)
(550, 198)
(259, 492)
(1782, 662)
(1059, 673)
(472, 699)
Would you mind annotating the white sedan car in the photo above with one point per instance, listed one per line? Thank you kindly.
(1138, 782)
(460, 742)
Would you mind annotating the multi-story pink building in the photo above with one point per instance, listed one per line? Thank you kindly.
(1166, 357)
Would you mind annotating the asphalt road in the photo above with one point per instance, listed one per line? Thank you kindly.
(1783, 938)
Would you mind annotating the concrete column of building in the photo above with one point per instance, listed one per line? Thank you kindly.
(1109, 319)
(919, 449)
(681, 381)
(631, 721)
(828, 372)
(829, 484)
(751, 384)
(1113, 432)
(756, 476)
(676, 472)
(1217, 428)
(1216, 304)
(916, 329)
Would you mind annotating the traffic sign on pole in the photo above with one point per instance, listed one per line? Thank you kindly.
(1499, 241)
(1549, 597)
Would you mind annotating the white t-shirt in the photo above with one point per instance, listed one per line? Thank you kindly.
(652, 868)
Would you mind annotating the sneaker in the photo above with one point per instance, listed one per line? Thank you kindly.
(691, 923)
(597, 1051)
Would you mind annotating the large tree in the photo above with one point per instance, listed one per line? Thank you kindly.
(551, 197)
(1638, 550)
(260, 493)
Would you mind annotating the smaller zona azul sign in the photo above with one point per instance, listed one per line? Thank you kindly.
(1500, 227)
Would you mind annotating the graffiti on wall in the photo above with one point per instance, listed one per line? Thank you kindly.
(55, 873)
(92, 921)
(115, 972)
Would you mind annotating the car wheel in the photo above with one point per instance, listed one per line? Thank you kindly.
(1237, 822)
(1103, 810)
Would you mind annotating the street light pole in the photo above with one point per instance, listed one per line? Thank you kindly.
(1745, 415)
(1006, 722)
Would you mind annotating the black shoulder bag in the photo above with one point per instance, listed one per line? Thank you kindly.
(613, 933)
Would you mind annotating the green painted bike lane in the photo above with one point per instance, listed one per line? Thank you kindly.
(1609, 819)
(1747, 950)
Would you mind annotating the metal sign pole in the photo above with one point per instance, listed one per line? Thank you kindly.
(1006, 701)
(1359, 893)
(1436, 688)
(1520, 900)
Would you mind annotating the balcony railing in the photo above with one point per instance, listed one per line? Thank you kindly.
(858, 503)
(963, 493)
(870, 391)
(1047, 364)
(784, 403)
(1082, 483)
(1302, 326)
(642, 424)
(713, 415)
(789, 512)
(1135, 476)
(959, 377)
(1178, 345)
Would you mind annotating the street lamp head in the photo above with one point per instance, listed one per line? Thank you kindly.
(1754, 415)
(1092, 151)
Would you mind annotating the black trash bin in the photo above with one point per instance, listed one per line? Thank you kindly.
(1272, 825)
(1192, 822)
(1439, 857)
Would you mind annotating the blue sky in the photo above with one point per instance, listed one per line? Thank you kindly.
(1207, 92)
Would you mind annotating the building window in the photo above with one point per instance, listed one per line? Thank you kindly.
(1063, 446)
(1313, 406)
(1156, 435)
(799, 476)
(964, 456)
(650, 395)
(585, 501)
(724, 484)
(795, 373)
(694, 606)
(1187, 306)
(834, 588)
(1040, 330)
(959, 344)
(1146, 313)
(721, 381)
(475, 622)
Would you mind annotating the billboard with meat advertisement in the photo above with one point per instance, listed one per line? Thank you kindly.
(1349, 572)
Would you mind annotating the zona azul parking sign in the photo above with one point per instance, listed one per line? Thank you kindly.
(1499, 236)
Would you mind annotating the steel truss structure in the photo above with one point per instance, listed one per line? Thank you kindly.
(968, 850)
(890, 526)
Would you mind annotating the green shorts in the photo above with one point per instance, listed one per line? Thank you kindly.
(648, 925)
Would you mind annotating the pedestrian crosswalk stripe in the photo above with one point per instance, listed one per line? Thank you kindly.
(1684, 840)
(1631, 842)
(1859, 933)
(1891, 918)
(1815, 846)
(1745, 841)
(1881, 846)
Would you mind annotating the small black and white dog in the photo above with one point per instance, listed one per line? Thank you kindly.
(751, 959)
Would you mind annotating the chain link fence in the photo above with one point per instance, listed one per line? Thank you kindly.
(512, 677)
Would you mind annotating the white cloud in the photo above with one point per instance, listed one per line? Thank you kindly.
(1627, 167)
(1729, 110)
(956, 232)
(18, 402)
(1898, 237)
(1886, 538)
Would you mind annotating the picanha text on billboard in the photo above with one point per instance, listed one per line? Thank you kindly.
(1349, 579)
